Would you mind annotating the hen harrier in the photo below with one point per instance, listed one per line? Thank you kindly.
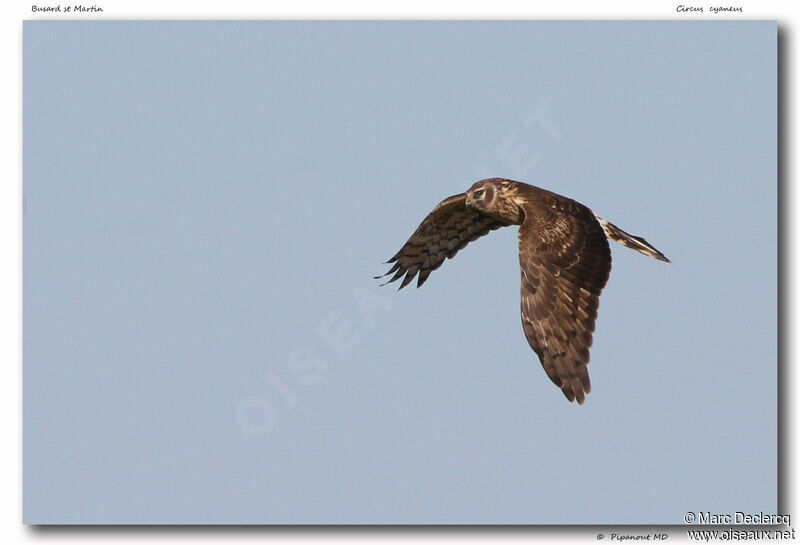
(563, 255)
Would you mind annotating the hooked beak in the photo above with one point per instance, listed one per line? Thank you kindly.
(468, 201)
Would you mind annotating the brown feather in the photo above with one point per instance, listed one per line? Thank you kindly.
(445, 231)
(564, 262)
(563, 245)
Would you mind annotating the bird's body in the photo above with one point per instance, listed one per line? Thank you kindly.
(564, 261)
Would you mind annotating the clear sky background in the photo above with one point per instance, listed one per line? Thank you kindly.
(205, 204)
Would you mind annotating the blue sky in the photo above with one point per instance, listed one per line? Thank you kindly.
(205, 204)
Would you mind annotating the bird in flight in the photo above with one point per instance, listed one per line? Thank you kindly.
(564, 259)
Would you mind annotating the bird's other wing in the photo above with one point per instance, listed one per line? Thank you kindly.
(447, 229)
(565, 262)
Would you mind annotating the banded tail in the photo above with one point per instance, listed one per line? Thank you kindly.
(626, 239)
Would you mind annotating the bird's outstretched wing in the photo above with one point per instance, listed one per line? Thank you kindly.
(565, 262)
(447, 229)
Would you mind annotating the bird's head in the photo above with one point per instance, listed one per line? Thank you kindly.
(493, 197)
(481, 195)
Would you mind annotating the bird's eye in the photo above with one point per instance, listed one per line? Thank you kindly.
(478, 193)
